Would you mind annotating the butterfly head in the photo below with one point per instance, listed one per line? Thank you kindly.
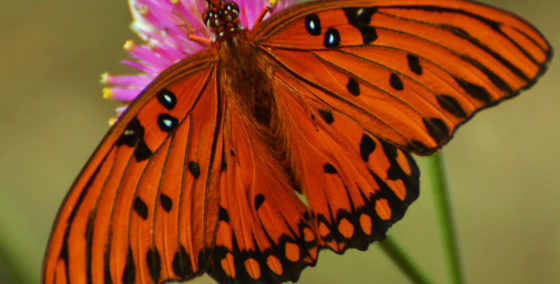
(223, 18)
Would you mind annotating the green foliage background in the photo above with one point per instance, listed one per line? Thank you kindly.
(503, 166)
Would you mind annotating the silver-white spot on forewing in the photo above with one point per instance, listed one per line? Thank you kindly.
(312, 25)
(331, 39)
(167, 98)
(168, 123)
(360, 11)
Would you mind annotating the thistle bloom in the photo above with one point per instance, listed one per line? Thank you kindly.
(164, 26)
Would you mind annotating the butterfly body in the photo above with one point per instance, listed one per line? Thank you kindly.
(245, 74)
(327, 99)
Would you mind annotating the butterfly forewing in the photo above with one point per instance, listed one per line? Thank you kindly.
(411, 70)
(105, 231)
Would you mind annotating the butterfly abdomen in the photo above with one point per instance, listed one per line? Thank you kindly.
(245, 81)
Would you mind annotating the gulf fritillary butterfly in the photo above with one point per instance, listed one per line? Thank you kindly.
(204, 171)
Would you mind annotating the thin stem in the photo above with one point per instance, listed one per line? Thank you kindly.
(403, 261)
(444, 213)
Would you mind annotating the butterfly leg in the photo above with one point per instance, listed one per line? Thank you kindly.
(190, 31)
(266, 10)
(199, 39)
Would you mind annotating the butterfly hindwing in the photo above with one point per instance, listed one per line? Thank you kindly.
(133, 215)
(356, 185)
(409, 71)
(264, 233)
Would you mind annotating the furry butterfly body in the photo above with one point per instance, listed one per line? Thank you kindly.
(325, 99)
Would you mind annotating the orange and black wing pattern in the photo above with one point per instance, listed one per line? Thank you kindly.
(189, 182)
(265, 233)
(145, 207)
(409, 72)
(363, 83)
(356, 185)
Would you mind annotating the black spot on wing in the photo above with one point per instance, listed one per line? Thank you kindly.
(166, 202)
(360, 18)
(436, 129)
(133, 136)
(450, 104)
(181, 264)
(140, 208)
(129, 269)
(396, 82)
(353, 87)
(223, 215)
(414, 64)
(327, 116)
(259, 199)
(368, 34)
(194, 169)
(332, 38)
(313, 24)
(167, 122)
(367, 145)
(474, 90)
(329, 169)
(142, 152)
(167, 99)
(153, 261)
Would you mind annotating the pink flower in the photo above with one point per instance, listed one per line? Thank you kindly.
(162, 26)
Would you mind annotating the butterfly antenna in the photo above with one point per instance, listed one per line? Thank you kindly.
(190, 30)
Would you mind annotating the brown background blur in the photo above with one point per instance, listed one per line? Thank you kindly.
(503, 166)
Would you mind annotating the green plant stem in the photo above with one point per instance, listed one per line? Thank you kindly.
(403, 261)
(18, 244)
(446, 223)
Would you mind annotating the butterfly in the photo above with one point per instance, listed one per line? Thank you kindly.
(247, 158)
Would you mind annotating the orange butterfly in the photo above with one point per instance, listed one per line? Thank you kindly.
(204, 171)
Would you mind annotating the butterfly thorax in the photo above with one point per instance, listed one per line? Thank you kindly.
(223, 18)
(244, 78)
(243, 72)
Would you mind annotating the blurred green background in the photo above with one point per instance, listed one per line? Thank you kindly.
(503, 166)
